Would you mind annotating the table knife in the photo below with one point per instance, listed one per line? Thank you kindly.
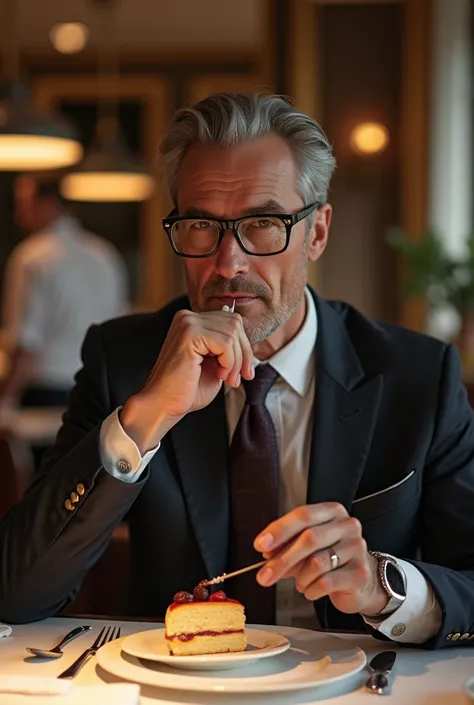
(381, 665)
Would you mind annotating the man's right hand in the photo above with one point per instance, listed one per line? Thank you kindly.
(201, 351)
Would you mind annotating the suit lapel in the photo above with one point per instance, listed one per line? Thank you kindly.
(345, 412)
(200, 442)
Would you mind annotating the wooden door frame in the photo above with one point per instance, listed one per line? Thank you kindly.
(156, 279)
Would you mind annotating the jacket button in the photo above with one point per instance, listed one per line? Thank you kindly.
(123, 466)
(80, 489)
(455, 636)
(398, 629)
(69, 505)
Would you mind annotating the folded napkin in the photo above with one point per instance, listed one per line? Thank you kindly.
(5, 630)
(39, 690)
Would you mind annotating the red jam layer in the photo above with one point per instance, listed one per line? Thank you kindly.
(190, 637)
(174, 605)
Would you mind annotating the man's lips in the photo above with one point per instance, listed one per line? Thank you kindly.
(239, 299)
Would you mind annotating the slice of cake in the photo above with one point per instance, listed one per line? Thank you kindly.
(201, 624)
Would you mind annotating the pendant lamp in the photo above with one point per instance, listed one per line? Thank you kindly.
(30, 140)
(109, 172)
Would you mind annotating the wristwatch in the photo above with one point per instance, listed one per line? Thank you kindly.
(392, 579)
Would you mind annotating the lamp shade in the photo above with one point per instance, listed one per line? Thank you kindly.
(32, 140)
(108, 174)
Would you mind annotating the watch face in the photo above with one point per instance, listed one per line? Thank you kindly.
(395, 580)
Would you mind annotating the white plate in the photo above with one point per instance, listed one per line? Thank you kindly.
(151, 645)
(313, 659)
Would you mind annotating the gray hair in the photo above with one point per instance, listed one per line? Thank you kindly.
(226, 119)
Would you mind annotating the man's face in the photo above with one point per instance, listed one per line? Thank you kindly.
(255, 176)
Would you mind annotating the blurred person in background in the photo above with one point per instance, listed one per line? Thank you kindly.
(58, 281)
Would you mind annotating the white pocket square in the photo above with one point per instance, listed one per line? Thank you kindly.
(386, 489)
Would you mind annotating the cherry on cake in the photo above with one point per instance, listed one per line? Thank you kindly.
(200, 623)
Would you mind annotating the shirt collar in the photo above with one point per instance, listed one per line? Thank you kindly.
(295, 361)
(65, 226)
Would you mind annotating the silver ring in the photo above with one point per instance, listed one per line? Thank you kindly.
(335, 560)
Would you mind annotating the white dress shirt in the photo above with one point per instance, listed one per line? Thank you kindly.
(291, 405)
(59, 282)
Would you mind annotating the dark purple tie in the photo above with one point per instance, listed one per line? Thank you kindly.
(253, 477)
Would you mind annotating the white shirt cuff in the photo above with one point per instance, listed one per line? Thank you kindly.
(119, 453)
(419, 616)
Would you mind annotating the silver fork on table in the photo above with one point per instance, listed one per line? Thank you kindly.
(106, 634)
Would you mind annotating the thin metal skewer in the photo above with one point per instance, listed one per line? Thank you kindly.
(226, 576)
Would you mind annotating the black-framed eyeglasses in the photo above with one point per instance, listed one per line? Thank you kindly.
(260, 235)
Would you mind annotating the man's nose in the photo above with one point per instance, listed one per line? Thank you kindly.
(231, 260)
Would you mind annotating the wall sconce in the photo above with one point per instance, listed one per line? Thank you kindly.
(369, 138)
(69, 37)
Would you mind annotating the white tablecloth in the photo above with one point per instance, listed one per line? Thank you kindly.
(422, 677)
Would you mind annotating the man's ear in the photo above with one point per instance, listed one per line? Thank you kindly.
(319, 233)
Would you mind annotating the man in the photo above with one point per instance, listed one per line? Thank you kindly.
(58, 282)
(292, 421)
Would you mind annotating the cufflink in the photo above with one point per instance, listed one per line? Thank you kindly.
(123, 466)
(398, 629)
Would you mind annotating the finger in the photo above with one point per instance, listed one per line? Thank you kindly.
(232, 324)
(352, 579)
(320, 562)
(310, 541)
(290, 525)
(234, 377)
(248, 360)
(217, 344)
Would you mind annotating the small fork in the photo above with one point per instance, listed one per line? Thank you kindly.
(106, 634)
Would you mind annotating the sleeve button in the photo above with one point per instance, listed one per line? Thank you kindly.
(80, 489)
(74, 497)
(466, 635)
(455, 636)
(69, 505)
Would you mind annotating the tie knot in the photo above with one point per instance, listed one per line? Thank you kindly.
(257, 388)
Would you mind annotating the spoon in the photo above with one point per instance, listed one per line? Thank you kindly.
(56, 652)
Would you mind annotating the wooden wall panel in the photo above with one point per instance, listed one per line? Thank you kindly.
(415, 120)
(362, 81)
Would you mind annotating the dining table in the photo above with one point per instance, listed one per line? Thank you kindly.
(421, 677)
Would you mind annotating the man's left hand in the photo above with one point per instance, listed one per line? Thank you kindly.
(299, 545)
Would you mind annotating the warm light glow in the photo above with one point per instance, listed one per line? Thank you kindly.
(69, 38)
(107, 186)
(369, 138)
(32, 152)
